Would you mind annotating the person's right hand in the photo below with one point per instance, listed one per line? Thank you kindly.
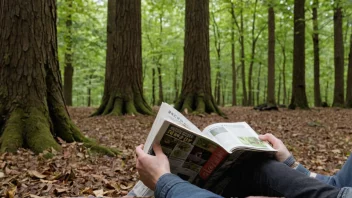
(151, 168)
(282, 152)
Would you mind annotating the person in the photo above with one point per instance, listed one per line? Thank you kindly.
(264, 177)
(342, 178)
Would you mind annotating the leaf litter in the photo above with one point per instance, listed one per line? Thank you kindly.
(321, 139)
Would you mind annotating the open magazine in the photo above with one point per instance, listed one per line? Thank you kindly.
(200, 157)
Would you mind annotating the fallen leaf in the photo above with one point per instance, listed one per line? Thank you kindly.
(36, 174)
(99, 193)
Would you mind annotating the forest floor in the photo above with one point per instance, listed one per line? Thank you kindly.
(321, 139)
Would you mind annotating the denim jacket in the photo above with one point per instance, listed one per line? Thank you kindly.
(170, 185)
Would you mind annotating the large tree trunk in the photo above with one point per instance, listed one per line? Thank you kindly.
(68, 71)
(196, 85)
(317, 96)
(299, 97)
(124, 91)
(32, 107)
(339, 58)
(349, 78)
(271, 56)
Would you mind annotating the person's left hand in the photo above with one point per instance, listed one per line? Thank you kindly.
(151, 168)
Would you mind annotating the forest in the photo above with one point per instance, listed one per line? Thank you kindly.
(82, 80)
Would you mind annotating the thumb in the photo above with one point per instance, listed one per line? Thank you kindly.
(157, 149)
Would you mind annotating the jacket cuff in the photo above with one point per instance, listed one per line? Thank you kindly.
(290, 161)
(165, 183)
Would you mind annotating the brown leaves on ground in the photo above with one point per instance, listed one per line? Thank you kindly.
(319, 138)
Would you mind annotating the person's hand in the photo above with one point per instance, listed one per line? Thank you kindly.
(282, 152)
(151, 168)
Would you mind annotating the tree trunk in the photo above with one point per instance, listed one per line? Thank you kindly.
(233, 63)
(217, 44)
(160, 79)
(32, 106)
(153, 86)
(271, 56)
(124, 94)
(258, 83)
(299, 97)
(244, 89)
(196, 92)
(89, 90)
(68, 71)
(254, 41)
(317, 96)
(176, 79)
(339, 58)
(349, 78)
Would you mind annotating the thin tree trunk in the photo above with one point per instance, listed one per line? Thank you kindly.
(349, 78)
(153, 86)
(254, 40)
(161, 94)
(217, 44)
(258, 83)
(89, 90)
(233, 63)
(244, 89)
(271, 56)
(317, 96)
(68, 71)
(339, 58)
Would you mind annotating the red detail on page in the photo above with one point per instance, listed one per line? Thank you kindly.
(215, 159)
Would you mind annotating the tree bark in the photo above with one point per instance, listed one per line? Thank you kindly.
(32, 106)
(271, 56)
(233, 58)
(299, 97)
(243, 71)
(124, 91)
(254, 42)
(196, 95)
(349, 78)
(217, 44)
(317, 96)
(339, 58)
(68, 71)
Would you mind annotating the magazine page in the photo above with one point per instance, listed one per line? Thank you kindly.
(192, 156)
(236, 136)
(167, 112)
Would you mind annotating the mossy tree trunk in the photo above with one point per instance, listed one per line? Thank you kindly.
(123, 92)
(32, 107)
(196, 94)
(299, 97)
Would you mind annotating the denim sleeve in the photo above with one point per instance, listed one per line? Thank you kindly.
(345, 192)
(170, 185)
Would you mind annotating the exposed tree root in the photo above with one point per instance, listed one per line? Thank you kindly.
(198, 104)
(119, 106)
(33, 129)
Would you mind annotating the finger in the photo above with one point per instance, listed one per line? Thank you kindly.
(157, 149)
(270, 138)
(139, 151)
